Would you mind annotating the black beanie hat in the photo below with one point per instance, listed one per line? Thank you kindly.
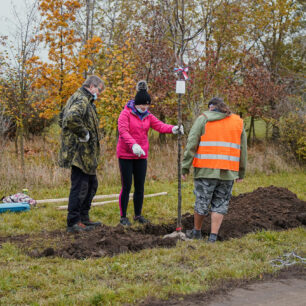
(142, 97)
(215, 101)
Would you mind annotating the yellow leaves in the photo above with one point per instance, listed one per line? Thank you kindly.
(73, 3)
(65, 72)
(33, 60)
(93, 45)
(118, 69)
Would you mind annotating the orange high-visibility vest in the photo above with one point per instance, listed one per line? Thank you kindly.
(219, 147)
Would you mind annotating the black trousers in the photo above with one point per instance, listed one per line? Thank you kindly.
(83, 189)
(128, 169)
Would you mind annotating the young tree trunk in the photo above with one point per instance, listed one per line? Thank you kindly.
(251, 132)
(21, 138)
(87, 29)
(267, 129)
(44, 140)
(16, 141)
(179, 138)
(254, 136)
(162, 137)
(275, 133)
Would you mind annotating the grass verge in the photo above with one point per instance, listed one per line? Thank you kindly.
(158, 209)
(132, 277)
(129, 278)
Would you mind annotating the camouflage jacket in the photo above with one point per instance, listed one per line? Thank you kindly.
(78, 117)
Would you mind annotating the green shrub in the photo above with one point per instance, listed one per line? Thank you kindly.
(293, 134)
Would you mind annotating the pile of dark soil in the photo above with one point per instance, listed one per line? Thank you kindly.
(108, 241)
(270, 208)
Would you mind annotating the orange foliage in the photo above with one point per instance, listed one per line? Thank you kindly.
(118, 67)
(68, 59)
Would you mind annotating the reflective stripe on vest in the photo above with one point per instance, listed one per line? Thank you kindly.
(219, 147)
(216, 156)
(219, 144)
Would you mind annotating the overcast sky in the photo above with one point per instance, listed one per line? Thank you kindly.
(6, 14)
(7, 20)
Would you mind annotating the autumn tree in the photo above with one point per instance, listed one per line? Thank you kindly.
(5, 121)
(16, 92)
(280, 20)
(85, 26)
(155, 63)
(252, 92)
(119, 19)
(146, 56)
(118, 69)
(68, 58)
(182, 29)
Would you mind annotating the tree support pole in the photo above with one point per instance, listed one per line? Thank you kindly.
(179, 176)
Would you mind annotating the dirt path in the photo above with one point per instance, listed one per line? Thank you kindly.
(290, 292)
(285, 288)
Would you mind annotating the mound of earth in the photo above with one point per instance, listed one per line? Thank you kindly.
(270, 208)
(107, 241)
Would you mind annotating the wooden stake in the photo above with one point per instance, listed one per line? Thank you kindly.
(113, 201)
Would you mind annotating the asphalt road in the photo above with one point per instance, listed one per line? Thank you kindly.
(289, 292)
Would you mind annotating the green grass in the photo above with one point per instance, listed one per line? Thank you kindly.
(129, 278)
(158, 209)
(190, 267)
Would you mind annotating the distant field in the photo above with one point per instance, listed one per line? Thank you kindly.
(260, 128)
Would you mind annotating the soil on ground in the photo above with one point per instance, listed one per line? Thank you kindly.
(270, 208)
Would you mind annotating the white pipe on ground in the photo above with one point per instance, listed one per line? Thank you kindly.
(113, 201)
(98, 197)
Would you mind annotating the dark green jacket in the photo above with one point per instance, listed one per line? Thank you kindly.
(78, 117)
(197, 130)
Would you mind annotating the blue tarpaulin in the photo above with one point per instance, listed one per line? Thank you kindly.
(14, 207)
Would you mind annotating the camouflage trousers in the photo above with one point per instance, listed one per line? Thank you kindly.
(212, 194)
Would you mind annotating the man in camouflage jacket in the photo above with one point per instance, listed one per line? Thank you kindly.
(80, 150)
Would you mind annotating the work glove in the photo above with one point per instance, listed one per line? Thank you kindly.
(178, 130)
(84, 139)
(137, 150)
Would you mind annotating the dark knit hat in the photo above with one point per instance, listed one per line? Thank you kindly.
(219, 105)
(215, 101)
(142, 97)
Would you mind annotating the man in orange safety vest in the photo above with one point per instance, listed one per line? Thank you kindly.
(217, 149)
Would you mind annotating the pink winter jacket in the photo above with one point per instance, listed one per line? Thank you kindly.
(134, 130)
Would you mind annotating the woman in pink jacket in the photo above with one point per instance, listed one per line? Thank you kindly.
(132, 149)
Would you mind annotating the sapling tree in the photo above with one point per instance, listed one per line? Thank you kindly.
(16, 90)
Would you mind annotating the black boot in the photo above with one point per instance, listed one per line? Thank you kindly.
(79, 227)
(194, 234)
(92, 223)
(125, 221)
(212, 238)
